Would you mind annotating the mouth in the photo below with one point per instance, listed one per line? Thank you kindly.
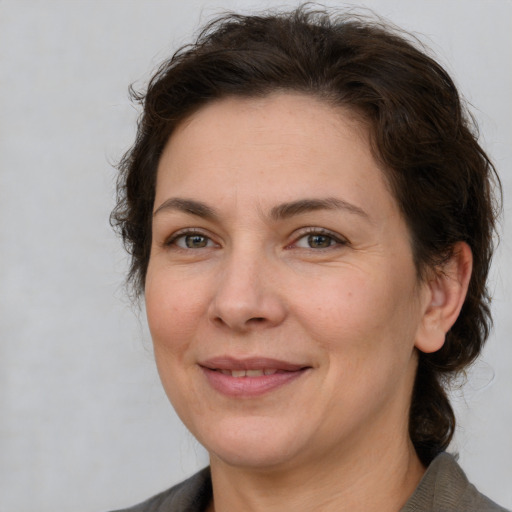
(250, 377)
(248, 373)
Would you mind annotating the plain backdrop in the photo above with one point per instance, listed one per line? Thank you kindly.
(84, 424)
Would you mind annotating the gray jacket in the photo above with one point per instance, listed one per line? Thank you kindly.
(443, 488)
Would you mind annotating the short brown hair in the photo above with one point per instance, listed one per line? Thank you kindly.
(421, 135)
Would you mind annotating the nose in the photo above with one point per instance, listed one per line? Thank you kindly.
(248, 295)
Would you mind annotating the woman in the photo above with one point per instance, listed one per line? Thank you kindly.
(310, 219)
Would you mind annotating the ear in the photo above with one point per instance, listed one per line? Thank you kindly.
(444, 296)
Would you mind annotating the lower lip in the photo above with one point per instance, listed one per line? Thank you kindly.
(249, 386)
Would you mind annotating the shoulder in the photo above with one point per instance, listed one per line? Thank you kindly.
(191, 495)
(445, 488)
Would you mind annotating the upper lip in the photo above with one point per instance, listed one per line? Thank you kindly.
(251, 363)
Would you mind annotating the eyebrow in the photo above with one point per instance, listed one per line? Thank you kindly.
(188, 206)
(279, 212)
(287, 210)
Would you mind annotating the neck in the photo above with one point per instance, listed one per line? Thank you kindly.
(357, 480)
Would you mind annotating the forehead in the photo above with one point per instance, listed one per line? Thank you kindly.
(280, 146)
(288, 114)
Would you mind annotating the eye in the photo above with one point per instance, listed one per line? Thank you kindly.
(191, 241)
(318, 239)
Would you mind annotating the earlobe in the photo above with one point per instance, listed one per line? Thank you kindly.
(444, 296)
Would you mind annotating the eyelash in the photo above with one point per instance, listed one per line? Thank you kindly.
(184, 234)
(334, 240)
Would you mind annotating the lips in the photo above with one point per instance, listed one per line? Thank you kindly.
(253, 363)
(250, 377)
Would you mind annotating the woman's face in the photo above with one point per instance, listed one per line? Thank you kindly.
(281, 292)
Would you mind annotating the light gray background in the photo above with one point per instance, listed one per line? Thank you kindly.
(84, 424)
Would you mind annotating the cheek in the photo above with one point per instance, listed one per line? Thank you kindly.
(365, 329)
(173, 308)
(358, 312)
(173, 312)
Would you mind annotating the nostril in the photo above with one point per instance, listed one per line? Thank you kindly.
(254, 321)
(218, 320)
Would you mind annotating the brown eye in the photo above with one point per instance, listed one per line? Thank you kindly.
(192, 241)
(320, 241)
(317, 238)
(196, 241)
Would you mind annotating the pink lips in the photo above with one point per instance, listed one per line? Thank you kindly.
(249, 377)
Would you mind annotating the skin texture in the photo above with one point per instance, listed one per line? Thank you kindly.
(253, 282)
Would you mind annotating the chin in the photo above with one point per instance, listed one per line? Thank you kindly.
(253, 443)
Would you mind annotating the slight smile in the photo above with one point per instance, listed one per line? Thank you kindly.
(250, 377)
